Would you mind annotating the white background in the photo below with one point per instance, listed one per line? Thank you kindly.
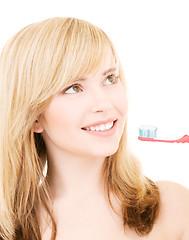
(152, 40)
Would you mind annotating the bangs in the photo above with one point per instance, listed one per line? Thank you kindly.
(85, 50)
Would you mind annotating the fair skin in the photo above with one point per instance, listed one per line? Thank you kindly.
(76, 154)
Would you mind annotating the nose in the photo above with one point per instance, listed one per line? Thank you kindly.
(101, 100)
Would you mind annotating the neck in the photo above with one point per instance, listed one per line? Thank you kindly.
(75, 177)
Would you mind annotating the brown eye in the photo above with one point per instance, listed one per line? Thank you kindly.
(73, 89)
(76, 88)
(111, 79)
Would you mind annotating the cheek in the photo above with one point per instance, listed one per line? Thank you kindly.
(122, 102)
(60, 116)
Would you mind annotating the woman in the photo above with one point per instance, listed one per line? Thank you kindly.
(64, 103)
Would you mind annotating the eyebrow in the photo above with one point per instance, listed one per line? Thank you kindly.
(113, 69)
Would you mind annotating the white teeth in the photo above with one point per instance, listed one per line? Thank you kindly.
(101, 127)
(97, 128)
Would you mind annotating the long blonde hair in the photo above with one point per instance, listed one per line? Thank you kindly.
(35, 64)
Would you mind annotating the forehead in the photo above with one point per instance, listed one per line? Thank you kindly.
(107, 64)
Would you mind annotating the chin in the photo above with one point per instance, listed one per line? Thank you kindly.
(106, 151)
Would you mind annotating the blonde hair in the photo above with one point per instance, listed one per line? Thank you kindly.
(35, 64)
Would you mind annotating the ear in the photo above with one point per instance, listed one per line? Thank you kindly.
(38, 128)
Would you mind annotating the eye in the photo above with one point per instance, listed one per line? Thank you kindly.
(73, 89)
(111, 79)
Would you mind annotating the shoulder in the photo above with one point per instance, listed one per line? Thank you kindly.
(174, 208)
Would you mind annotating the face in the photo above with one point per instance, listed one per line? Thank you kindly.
(87, 117)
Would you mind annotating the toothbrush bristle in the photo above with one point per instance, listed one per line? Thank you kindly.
(148, 131)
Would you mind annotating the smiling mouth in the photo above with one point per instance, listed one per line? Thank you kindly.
(101, 127)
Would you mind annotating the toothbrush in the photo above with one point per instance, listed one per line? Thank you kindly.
(149, 133)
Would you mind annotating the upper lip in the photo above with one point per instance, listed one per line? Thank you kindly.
(100, 122)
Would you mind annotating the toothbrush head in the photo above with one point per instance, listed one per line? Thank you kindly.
(148, 131)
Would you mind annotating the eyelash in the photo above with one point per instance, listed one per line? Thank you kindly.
(115, 80)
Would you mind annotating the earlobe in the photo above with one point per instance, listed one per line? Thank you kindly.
(37, 128)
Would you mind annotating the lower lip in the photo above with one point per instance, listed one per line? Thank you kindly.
(105, 133)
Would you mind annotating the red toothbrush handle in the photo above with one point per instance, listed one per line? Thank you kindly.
(184, 139)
